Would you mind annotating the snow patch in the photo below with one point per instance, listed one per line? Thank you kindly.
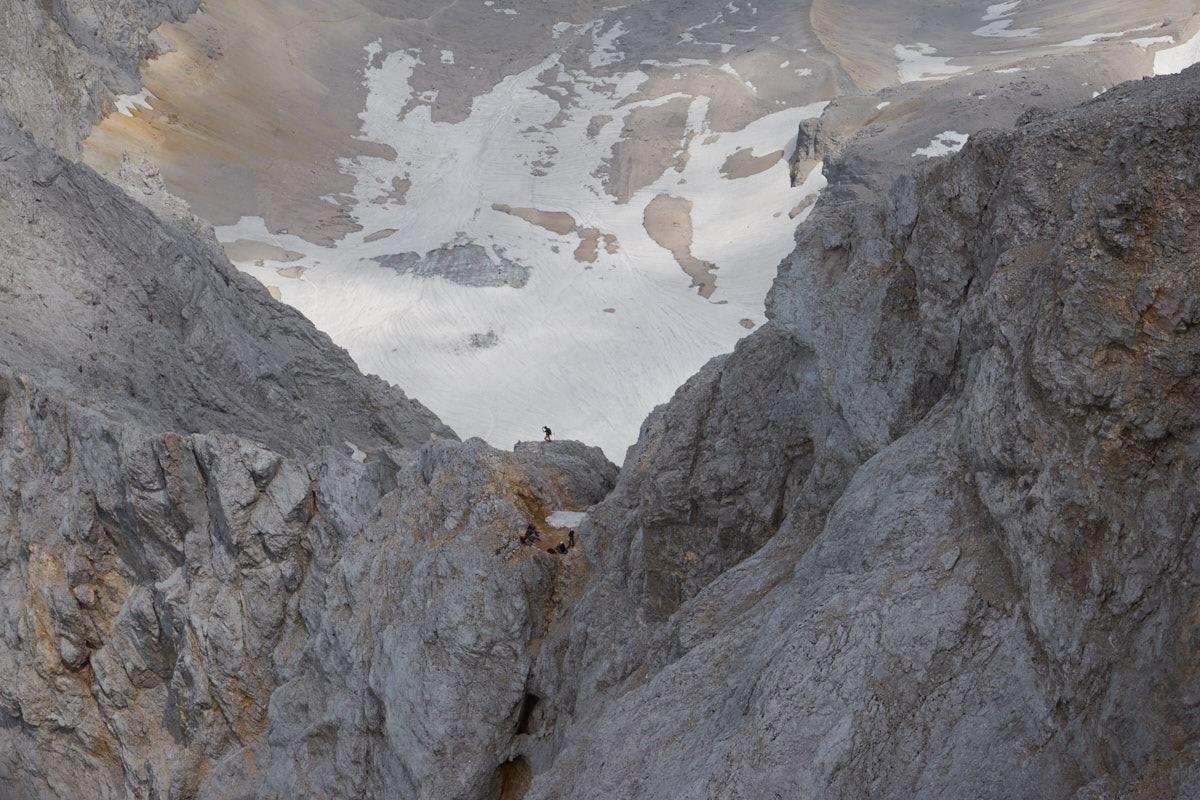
(1149, 41)
(943, 144)
(998, 26)
(562, 27)
(730, 69)
(606, 46)
(1000, 10)
(126, 103)
(1176, 59)
(1092, 38)
(1001, 29)
(917, 63)
(555, 350)
(566, 519)
(680, 62)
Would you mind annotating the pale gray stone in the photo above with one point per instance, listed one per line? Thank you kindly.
(931, 532)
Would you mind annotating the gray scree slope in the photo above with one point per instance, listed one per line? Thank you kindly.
(929, 533)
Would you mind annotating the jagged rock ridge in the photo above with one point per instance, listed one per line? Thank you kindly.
(984, 586)
(123, 312)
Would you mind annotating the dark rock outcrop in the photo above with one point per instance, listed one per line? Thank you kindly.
(466, 264)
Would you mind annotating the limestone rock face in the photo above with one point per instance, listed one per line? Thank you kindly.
(996, 596)
(929, 533)
(125, 313)
(63, 61)
(197, 616)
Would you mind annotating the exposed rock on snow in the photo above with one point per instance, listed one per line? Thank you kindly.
(466, 264)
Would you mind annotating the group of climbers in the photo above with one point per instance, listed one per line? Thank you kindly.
(532, 535)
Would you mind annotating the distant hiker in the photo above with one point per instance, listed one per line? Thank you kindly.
(104, 327)
(531, 534)
(81, 367)
(570, 538)
(562, 548)
(547, 430)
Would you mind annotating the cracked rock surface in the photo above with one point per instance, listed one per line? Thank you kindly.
(982, 583)
(197, 616)
(123, 312)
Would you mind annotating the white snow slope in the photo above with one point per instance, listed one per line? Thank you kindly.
(587, 348)
(606, 323)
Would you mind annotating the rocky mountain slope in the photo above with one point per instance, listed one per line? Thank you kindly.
(956, 480)
(62, 61)
(122, 312)
(931, 532)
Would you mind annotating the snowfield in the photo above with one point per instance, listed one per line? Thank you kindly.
(608, 323)
(530, 214)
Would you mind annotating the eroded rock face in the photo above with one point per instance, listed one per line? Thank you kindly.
(63, 61)
(199, 616)
(999, 602)
(123, 312)
(930, 533)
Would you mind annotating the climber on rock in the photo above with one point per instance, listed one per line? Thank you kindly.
(530, 535)
(561, 549)
(570, 538)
